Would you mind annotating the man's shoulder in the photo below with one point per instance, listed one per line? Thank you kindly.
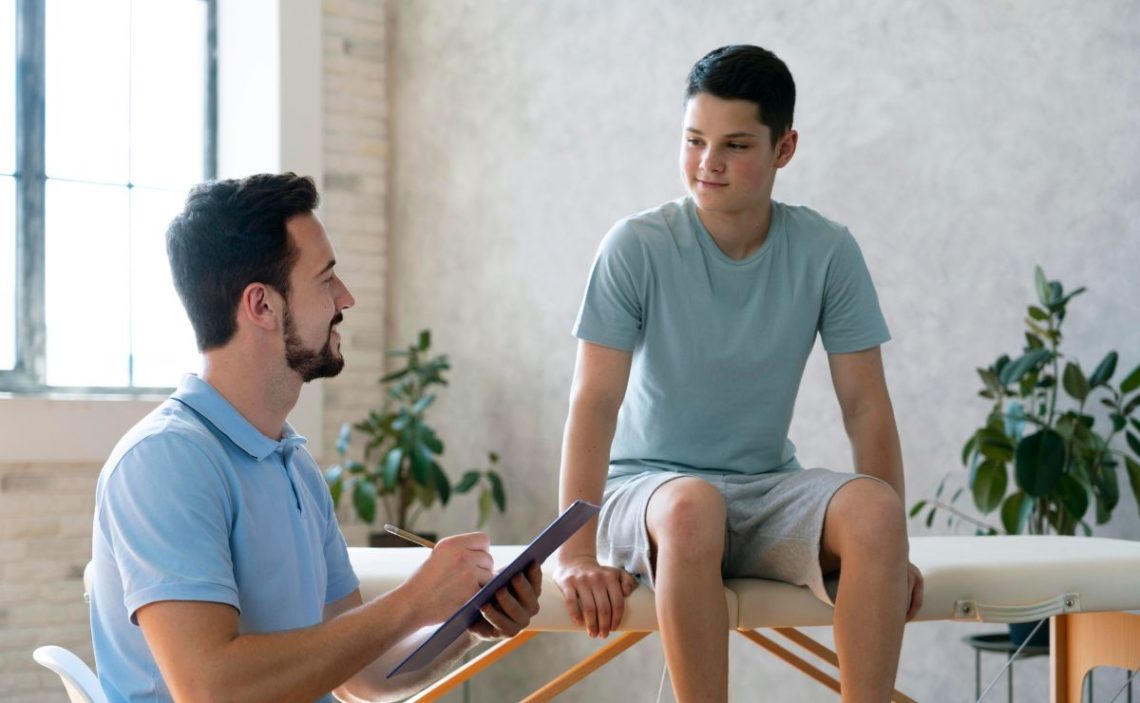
(172, 430)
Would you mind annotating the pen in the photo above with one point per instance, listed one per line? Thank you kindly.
(404, 534)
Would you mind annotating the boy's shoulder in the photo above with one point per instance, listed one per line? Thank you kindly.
(803, 221)
(651, 228)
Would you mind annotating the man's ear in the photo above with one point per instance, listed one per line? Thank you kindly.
(261, 306)
(786, 147)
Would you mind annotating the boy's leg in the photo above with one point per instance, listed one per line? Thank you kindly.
(686, 521)
(864, 532)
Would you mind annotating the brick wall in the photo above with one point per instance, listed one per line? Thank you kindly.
(46, 509)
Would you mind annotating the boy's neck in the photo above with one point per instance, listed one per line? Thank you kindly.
(739, 234)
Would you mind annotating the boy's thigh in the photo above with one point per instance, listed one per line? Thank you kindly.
(775, 526)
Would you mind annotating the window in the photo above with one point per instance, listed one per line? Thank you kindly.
(111, 121)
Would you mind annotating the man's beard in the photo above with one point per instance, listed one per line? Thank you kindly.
(322, 363)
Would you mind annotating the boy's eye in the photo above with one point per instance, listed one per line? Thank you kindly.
(693, 141)
(738, 147)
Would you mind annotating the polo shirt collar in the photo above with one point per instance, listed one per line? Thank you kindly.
(205, 400)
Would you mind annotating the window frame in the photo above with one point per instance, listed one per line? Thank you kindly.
(28, 374)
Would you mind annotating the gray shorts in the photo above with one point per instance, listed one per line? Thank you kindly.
(773, 524)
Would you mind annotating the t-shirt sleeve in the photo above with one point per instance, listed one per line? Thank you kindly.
(166, 513)
(341, 580)
(613, 305)
(851, 319)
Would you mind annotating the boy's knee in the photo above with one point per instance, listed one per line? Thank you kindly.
(687, 515)
(868, 517)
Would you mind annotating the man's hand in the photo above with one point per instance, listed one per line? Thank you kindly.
(513, 607)
(456, 569)
(594, 594)
(914, 584)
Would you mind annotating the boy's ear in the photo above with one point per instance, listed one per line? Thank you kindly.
(786, 147)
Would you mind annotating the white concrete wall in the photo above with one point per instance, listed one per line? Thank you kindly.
(961, 142)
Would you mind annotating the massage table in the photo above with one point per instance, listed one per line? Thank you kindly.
(1084, 585)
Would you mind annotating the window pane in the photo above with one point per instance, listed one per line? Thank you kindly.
(168, 88)
(7, 91)
(87, 92)
(163, 341)
(7, 273)
(88, 284)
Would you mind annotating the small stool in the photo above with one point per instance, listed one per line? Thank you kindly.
(999, 642)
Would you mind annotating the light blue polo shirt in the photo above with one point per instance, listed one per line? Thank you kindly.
(719, 345)
(195, 504)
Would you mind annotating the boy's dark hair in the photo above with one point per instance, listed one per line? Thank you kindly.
(231, 234)
(746, 72)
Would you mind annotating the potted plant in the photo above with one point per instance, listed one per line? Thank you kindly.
(1040, 431)
(400, 460)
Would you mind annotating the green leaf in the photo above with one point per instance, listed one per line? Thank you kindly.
(1055, 295)
(1118, 422)
(1107, 487)
(388, 378)
(392, 461)
(995, 444)
(364, 500)
(1074, 496)
(1132, 404)
(1032, 341)
(917, 508)
(1133, 443)
(497, 492)
(1042, 286)
(1104, 370)
(1037, 313)
(421, 466)
(1075, 382)
(968, 449)
(493, 457)
(355, 468)
(423, 403)
(484, 507)
(989, 486)
(930, 518)
(427, 436)
(425, 340)
(1133, 478)
(467, 482)
(442, 485)
(1131, 382)
(1040, 458)
(342, 440)
(1015, 370)
(1015, 511)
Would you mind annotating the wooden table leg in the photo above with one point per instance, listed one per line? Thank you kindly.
(454, 679)
(1081, 641)
(585, 667)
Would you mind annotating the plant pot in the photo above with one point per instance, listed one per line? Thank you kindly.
(385, 539)
(1019, 631)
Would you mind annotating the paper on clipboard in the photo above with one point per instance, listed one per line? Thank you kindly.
(538, 550)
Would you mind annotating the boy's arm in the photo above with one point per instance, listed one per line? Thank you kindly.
(594, 594)
(202, 654)
(861, 387)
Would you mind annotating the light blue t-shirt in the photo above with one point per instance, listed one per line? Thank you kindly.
(719, 346)
(195, 504)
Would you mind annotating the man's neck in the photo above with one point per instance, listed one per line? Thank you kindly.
(738, 234)
(262, 392)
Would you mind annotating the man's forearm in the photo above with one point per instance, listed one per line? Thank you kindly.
(371, 684)
(875, 447)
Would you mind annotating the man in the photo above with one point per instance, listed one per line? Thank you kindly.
(696, 324)
(220, 572)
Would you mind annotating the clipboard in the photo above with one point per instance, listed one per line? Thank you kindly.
(557, 532)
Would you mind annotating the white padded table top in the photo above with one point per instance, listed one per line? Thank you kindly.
(994, 579)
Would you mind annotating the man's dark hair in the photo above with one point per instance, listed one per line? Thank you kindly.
(746, 72)
(231, 234)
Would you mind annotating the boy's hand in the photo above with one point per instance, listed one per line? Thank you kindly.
(513, 607)
(594, 594)
(454, 571)
(914, 583)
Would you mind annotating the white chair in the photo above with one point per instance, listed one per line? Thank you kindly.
(81, 683)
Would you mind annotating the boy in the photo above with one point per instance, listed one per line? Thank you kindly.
(696, 324)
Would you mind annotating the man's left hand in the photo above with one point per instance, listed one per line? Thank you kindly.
(914, 588)
(513, 606)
